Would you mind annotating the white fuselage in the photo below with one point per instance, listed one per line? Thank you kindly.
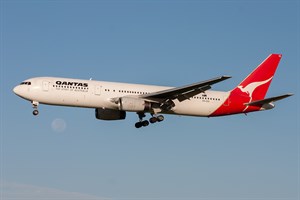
(99, 94)
(112, 100)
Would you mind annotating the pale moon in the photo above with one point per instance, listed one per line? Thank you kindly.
(58, 125)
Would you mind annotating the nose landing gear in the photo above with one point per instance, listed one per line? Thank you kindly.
(35, 107)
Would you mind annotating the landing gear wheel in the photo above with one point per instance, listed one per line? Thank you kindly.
(145, 123)
(152, 120)
(142, 123)
(160, 118)
(138, 125)
(35, 112)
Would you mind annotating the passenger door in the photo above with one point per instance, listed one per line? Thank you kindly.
(45, 86)
(98, 90)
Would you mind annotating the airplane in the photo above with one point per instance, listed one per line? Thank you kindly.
(111, 100)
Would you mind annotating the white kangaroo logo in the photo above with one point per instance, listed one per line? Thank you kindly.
(249, 89)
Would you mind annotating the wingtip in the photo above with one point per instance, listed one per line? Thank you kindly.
(226, 77)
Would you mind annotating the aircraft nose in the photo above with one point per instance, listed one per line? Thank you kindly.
(17, 90)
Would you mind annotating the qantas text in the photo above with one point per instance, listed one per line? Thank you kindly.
(76, 84)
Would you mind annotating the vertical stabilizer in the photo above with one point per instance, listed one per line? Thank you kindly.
(253, 88)
(257, 83)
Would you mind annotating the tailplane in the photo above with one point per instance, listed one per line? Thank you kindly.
(267, 104)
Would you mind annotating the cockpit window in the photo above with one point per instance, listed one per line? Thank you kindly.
(25, 83)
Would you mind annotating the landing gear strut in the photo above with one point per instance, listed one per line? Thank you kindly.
(152, 120)
(35, 107)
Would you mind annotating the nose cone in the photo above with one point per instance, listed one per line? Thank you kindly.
(17, 90)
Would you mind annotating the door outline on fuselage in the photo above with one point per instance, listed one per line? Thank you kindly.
(98, 90)
(45, 86)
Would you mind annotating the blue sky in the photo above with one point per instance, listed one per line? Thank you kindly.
(151, 42)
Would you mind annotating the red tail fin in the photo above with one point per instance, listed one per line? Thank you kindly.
(253, 88)
(257, 83)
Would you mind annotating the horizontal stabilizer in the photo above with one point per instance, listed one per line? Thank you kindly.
(268, 100)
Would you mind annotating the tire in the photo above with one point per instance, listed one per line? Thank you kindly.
(145, 123)
(35, 112)
(160, 118)
(153, 120)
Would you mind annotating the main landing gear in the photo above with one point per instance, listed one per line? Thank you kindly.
(152, 120)
(35, 107)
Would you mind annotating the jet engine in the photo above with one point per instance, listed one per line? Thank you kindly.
(109, 114)
(134, 104)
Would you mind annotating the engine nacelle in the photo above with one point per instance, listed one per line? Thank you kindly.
(134, 104)
(108, 114)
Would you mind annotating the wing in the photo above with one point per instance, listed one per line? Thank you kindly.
(184, 92)
(163, 100)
